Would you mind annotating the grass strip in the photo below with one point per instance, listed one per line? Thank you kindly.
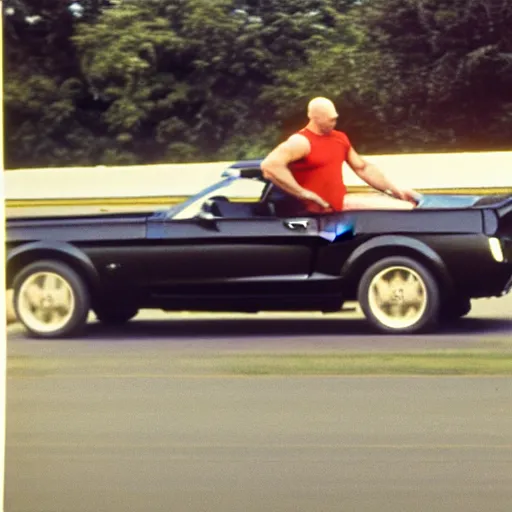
(468, 363)
(472, 362)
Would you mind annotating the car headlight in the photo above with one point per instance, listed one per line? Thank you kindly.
(496, 249)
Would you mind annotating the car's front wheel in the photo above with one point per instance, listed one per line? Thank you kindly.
(398, 295)
(50, 299)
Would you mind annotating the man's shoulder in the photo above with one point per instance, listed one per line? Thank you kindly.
(299, 139)
(342, 136)
(297, 146)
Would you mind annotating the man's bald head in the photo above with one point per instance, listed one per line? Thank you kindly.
(322, 115)
(321, 106)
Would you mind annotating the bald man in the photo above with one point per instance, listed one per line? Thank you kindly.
(308, 166)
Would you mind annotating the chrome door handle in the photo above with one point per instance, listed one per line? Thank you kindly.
(297, 224)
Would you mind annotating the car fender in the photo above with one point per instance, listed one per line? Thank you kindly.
(393, 245)
(53, 249)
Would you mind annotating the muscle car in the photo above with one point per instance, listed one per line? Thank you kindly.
(410, 271)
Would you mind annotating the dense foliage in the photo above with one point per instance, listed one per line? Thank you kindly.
(90, 82)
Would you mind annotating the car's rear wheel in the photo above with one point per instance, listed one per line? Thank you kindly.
(50, 299)
(399, 295)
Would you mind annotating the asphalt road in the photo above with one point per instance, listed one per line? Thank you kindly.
(258, 444)
(134, 439)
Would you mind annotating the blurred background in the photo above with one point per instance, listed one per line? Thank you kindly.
(111, 82)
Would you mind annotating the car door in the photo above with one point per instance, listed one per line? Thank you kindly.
(208, 254)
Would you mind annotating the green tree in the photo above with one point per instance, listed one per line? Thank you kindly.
(123, 81)
(443, 72)
(333, 68)
(47, 117)
(411, 75)
(183, 80)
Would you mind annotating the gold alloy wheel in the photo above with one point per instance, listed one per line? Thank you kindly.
(45, 302)
(397, 297)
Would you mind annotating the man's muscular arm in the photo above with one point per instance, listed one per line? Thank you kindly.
(376, 179)
(275, 168)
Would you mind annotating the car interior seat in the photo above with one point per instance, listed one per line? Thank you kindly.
(221, 206)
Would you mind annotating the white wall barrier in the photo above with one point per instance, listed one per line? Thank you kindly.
(453, 171)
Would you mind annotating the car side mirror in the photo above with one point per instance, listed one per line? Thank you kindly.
(207, 220)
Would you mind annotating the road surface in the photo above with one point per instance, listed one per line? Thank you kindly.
(259, 443)
(135, 439)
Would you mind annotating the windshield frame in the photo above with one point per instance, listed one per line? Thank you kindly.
(192, 206)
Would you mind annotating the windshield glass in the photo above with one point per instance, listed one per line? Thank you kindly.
(232, 188)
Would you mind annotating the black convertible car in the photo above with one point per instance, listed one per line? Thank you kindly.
(409, 270)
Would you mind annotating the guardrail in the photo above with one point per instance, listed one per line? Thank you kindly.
(159, 184)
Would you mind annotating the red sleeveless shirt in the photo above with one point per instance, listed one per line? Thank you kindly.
(321, 170)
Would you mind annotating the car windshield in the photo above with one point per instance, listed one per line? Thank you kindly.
(243, 189)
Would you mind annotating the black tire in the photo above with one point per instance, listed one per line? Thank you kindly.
(115, 313)
(79, 291)
(428, 317)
